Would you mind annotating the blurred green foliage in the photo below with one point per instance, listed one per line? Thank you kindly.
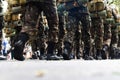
(117, 3)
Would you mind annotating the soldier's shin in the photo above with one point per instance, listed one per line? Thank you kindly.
(86, 51)
(51, 47)
(60, 46)
(53, 29)
(77, 42)
(119, 41)
(42, 51)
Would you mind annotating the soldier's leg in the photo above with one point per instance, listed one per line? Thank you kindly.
(68, 39)
(92, 31)
(119, 41)
(86, 35)
(119, 37)
(61, 34)
(50, 11)
(106, 40)
(1, 27)
(77, 39)
(98, 25)
(30, 17)
(114, 42)
(41, 38)
(42, 44)
(0, 41)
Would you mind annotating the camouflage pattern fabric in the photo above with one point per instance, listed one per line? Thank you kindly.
(97, 32)
(31, 19)
(80, 15)
(33, 10)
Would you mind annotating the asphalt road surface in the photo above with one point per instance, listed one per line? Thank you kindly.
(60, 70)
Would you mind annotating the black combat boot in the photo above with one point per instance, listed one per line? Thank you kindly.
(98, 54)
(113, 53)
(78, 53)
(86, 54)
(118, 52)
(67, 53)
(105, 51)
(18, 53)
(42, 55)
(20, 41)
(60, 53)
(34, 56)
(50, 52)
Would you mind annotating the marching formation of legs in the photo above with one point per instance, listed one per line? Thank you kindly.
(61, 30)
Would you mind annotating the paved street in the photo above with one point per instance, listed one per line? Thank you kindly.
(60, 70)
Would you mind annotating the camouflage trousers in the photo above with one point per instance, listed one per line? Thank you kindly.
(110, 33)
(114, 37)
(1, 34)
(107, 34)
(32, 20)
(97, 32)
(61, 33)
(78, 32)
(118, 36)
